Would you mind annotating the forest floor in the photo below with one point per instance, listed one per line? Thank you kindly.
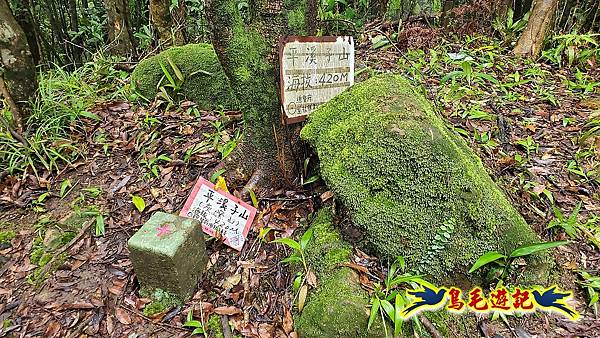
(60, 278)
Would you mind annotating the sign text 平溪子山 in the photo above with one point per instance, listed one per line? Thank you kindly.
(222, 215)
(313, 71)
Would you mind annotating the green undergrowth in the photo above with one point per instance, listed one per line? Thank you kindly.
(201, 77)
(63, 99)
(161, 301)
(7, 236)
(50, 236)
(411, 185)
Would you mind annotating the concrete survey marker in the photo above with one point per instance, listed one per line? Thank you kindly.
(168, 253)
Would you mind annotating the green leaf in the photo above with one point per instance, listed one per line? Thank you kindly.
(451, 76)
(289, 242)
(167, 74)
(176, 69)
(99, 225)
(199, 330)
(306, 237)
(487, 77)
(292, 259)
(64, 186)
(573, 218)
(398, 306)
(253, 198)
(388, 308)
(311, 179)
(487, 258)
(374, 311)
(193, 323)
(90, 115)
(139, 203)
(533, 248)
(216, 174)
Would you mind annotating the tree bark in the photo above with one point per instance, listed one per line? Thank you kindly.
(16, 64)
(120, 37)
(74, 27)
(531, 41)
(169, 25)
(245, 40)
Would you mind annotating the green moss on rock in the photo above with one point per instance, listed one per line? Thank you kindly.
(338, 306)
(7, 236)
(205, 81)
(414, 187)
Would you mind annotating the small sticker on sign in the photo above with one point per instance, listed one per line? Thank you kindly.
(221, 214)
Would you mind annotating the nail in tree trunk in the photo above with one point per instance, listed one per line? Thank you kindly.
(531, 41)
(119, 28)
(245, 39)
(17, 70)
(170, 25)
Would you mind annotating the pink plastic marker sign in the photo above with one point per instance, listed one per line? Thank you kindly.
(222, 215)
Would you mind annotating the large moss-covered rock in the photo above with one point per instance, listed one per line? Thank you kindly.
(338, 306)
(205, 82)
(413, 186)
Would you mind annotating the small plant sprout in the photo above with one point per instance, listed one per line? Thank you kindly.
(504, 262)
(388, 299)
(197, 325)
(592, 286)
(298, 256)
(528, 144)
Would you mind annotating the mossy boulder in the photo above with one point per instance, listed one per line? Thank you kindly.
(413, 186)
(205, 82)
(338, 306)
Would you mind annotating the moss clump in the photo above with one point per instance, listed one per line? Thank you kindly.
(161, 301)
(295, 12)
(338, 306)
(205, 82)
(214, 326)
(414, 187)
(326, 250)
(7, 236)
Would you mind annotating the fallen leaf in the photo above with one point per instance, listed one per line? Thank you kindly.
(311, 278)
(355, 266)
(227, 310)
(302, 297)
(232, 281)
(122, 316)
(288, 322)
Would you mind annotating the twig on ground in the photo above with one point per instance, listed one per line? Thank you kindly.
(225, 325)
(429, 326)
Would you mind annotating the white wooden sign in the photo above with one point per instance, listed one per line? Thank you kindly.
(312, 71)
(222, 215)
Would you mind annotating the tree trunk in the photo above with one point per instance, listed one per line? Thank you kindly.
(540, 21)
(17, 68)
(378, 8)
(245, 39)
(77, 45)
(168, 24)
(119, 30)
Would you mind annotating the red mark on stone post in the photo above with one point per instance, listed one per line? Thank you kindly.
(163, 230)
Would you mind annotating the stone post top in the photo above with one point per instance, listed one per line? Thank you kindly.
(163, 234)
